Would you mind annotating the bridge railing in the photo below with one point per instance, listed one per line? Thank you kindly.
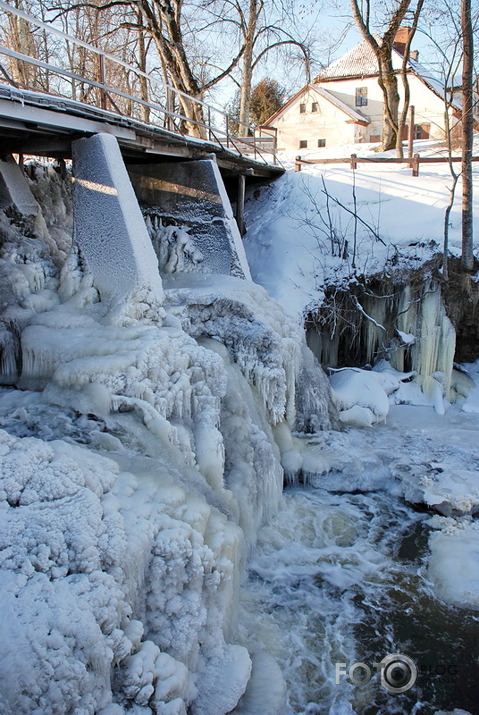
(97, 78)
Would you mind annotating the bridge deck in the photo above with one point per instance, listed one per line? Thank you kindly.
(45, 125)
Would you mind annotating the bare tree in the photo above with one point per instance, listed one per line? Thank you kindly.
(261, 34)
(405, 83)
(383, 51)
(261, 27)
(171, 25)
(467, 134)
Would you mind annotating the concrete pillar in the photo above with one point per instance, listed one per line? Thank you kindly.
(14, 190)
(192, 195)
(108, 224)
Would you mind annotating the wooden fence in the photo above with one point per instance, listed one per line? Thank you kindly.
(354, 160)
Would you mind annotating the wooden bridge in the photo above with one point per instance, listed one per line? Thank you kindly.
(44, 107)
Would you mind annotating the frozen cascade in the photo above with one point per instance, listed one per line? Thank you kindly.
(404, 322)
(138, 462)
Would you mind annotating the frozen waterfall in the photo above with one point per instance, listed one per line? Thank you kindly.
(138, 457)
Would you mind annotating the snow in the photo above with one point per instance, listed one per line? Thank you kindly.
(145, 432)
(454, 560)
(471, 403)
(288, 242)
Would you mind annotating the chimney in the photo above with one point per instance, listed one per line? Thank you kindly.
(401, 38)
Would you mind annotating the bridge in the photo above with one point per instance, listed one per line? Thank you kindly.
(135, 142)
(45, 106)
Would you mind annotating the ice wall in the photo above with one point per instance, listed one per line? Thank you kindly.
(405, 323)
(138, 463)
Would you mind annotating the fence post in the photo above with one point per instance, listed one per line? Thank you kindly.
(411, 131)
(103, 82)
(354, 161)
(297, 164)
(415, 165)
(240, 204)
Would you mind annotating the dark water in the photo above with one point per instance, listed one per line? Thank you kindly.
(343, 579)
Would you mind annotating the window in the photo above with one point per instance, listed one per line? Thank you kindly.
(302, 108)
(375, 138)
(361, 96)
(303, 143)
(321, 143)
(314, 107)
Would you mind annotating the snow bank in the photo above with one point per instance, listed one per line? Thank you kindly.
(306, 248)
(361, 396)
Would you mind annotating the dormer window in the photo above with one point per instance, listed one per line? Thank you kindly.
(361, 96)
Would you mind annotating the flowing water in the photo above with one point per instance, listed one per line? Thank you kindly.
(341, 579)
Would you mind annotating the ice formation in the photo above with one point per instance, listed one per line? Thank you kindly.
(138, 461)
(453, 563)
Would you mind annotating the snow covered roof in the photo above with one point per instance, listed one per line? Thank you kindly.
(353, 114)
(360, 61)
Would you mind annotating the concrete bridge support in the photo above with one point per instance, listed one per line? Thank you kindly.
(109, 227)
(192, 195)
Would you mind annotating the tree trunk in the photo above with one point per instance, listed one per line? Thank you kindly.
(389, 85)
(145, 111)
(467, 135)
(247, 74)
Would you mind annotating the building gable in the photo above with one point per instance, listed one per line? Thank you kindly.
(351, 115)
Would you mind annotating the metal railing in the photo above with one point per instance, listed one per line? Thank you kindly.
(134, 94)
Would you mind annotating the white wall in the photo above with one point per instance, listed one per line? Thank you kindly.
(328, 123)
(429, 108)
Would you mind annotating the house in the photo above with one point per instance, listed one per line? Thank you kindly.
(344, 104)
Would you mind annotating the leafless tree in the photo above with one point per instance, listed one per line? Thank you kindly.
(467, 133)
(383, 51)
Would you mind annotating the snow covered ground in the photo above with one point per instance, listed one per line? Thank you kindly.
(296, 234)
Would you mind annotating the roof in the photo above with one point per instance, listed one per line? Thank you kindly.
(358, 62)
(361, 61)
(353, 114)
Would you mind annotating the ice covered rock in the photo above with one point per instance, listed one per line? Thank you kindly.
(85, 547)
(359, 396)
(268, 346)
(232, 666)
(454, 560)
